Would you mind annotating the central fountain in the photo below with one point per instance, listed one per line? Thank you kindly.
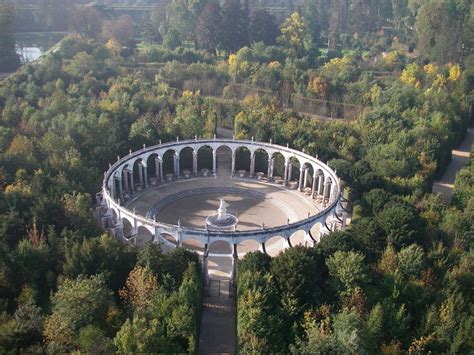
(222, 221)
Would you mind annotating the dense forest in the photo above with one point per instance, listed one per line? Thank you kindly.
(393, 81)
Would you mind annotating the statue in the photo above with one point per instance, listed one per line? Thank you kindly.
(222, 210)
(221, 220)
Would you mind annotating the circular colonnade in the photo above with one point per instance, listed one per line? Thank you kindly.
(193, 168)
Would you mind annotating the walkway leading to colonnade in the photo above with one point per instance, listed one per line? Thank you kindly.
(459, 159)
(218, 331)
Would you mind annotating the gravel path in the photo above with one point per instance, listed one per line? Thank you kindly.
(460, 157)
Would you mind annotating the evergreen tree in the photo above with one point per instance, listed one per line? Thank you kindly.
(9, 60)
(234, 26)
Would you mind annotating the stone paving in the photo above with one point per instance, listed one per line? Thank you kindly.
(218, 320)
(280, 204)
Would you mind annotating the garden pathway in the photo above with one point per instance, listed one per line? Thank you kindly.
(460, 157)
(218, 319)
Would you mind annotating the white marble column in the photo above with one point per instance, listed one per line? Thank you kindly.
(326, 190)
(300, 185)
(195, 163)
(252, 165)
(285, 174)
(132, 183)
(272, 166)
(114, 188)
(176, 165)
(305, 180)
(232, 170)
(313, 187)
(321, 185)
(157, 169)
(290, 171)
(145, 174)
(125, 179)
(269, 170)
(140, 174)
(332, 192)
(162, 178)
(120, 181)
(214, 159)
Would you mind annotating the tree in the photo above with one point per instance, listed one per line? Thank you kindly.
(76, 304)
(207, 28)
(298, 272)
(92, 339)
(121, 29)
(86, 22)
(441, 28)
(263, 28)
(254, 262)
(9, 60)
(338, 22)
(311, 18)
(347, 271)
(141, 285)
(411, 261)
(182, 18)
(259, 323)
(234, 26)
(400, 224)
(140, 335)
(293, 33)
(55, 14)
(158, 21)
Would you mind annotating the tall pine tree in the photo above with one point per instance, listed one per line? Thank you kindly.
(9, 60)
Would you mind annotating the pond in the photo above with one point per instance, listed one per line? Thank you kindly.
(31, 45)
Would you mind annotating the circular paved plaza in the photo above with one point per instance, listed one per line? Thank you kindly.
(256, 205)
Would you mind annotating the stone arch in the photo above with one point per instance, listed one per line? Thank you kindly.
(127, 227)
(193, 244)
(316, 230)
(136, 173)
(278, 165)
(225, 147)
(204, 157)
(153, 168)
(143, 236)
(115, 185)
(169, 238)
(308, 174)
(219, 261)
(320, 182)
(224, 160)
(168, 161)
(328, 188)
(222, 247)
(186, 159)
(124, 167)
(294, 169)
(242, 158)
(275, 245)
(298, 238)
(247, 246)
(126, 178)
(114, 215)
(261, 160)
